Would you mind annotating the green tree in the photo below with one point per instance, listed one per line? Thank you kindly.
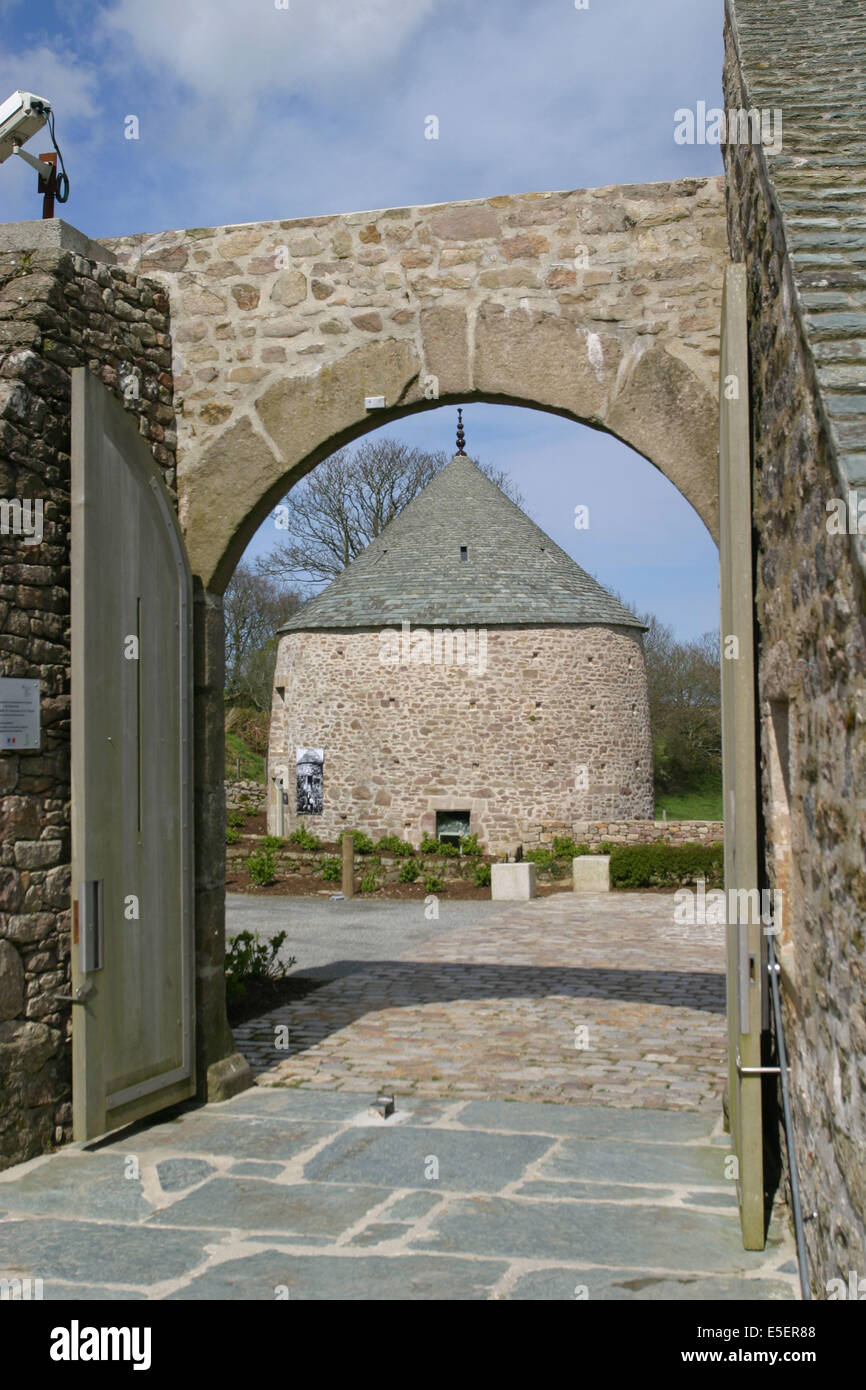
(255, 607)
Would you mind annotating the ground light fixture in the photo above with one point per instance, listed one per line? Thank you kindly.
(22, 116)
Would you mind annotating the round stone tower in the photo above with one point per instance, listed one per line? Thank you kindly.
(461, 675)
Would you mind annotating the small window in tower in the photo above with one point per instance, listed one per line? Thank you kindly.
(451, 826)
(463, 554)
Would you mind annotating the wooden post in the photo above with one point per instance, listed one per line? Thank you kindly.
(348, 864)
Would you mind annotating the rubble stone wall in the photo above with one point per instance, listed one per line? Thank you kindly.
(57, 311)
(556, 724)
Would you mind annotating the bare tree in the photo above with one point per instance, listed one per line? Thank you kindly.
(255, 607)
(347, 501)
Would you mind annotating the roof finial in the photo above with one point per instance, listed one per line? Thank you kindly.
(461, 438)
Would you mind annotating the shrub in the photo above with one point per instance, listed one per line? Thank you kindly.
(482, 875)
(304, 839)
(271, 842)
(607, 847)
(261, 866)
(565, 848)
(331, 869)
(392, 844)
(541, 858)
(650, 866)
(363, 843)
(409, 871)
(430, 845)
(232, 835)
(469, 845)
(432, 884)
(369, 883)
(236, 819)
(545, 862)
(248, 958)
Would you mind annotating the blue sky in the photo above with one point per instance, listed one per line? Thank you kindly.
(247, 112)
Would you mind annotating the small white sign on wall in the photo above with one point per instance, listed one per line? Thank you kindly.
(19, 714)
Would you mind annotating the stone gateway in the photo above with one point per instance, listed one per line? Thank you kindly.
(462, 675)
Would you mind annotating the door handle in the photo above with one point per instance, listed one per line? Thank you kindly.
(90, 926)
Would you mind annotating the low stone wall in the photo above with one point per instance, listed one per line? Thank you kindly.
(633, 832)
(246, 796)
(386, 867)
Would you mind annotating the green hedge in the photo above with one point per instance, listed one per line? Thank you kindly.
(652, 866)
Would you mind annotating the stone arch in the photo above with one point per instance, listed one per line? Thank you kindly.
(653, 403)
(602, 305)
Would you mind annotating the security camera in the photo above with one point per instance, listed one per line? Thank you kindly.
(21, 115)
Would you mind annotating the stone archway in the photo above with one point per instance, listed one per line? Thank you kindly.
(602, 305)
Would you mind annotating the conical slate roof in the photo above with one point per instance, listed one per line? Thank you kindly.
(512, 574)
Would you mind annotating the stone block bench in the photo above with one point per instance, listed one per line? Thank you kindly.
(512, 882)
(591, 873)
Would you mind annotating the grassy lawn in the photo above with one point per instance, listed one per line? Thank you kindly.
(703, 804)
(252, 764)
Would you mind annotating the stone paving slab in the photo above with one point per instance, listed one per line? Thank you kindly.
(601, 1160)
(516, 1165)
(341, 1278)
(598, 999)
(354, 1215)
(251, 1204)
(641, 1235)
(465, 1160)
(98, 1253)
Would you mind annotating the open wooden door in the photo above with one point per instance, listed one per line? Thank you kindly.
(746, 945)
(132, 865)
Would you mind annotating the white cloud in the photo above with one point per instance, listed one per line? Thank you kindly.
(237, 52)
(69, 88)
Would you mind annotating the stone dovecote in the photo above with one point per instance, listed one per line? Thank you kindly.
(463, 662)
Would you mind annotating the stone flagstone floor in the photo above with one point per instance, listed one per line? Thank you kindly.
(481, 1185)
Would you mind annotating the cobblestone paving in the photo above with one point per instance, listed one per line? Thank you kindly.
(492, 1009)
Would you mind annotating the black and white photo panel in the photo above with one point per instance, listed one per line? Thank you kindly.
(309, 762)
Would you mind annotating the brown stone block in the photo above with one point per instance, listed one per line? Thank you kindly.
(203, 303)
(530, 244)
(510, 277)
(289, 289)
(542, 359)
(246, 296)
(369, 323)
(665, 412)
(240, 243)
(446, 348)
(465, 224)
(20, 819)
